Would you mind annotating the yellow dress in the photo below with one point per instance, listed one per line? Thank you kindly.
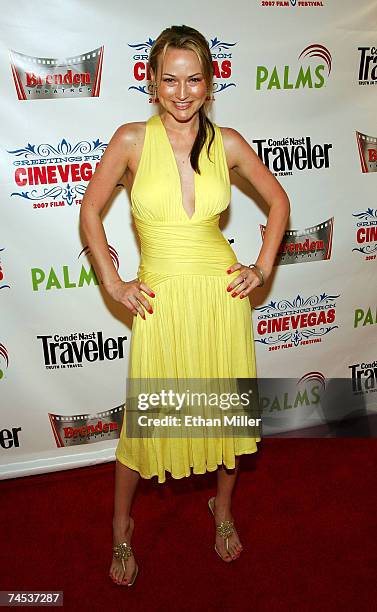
(197, 330)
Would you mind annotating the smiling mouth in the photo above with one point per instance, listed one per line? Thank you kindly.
(182, 105)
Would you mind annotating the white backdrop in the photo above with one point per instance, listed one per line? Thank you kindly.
(298, 80)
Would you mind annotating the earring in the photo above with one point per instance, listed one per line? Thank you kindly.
(154, 99)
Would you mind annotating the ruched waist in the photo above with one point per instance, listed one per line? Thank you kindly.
(195, 247)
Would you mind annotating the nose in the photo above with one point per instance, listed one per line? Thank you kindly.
(182, 91)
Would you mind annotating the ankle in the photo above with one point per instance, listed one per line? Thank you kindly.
(121, 524)
(222, 503)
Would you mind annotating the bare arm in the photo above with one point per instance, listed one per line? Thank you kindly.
(111, 168)
(246, 163)
(108, 172)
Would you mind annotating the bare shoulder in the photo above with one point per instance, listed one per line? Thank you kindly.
(130, 134)
(234, 144)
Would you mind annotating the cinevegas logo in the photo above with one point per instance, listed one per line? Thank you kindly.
(290, 323)
(66, 277)
(368, 66)
(74, 349)
(222, 65)
(55, 176)
(86, 428)
(3, 283)
(303, 246)
(313, 76)
(366, 233)
(284, 155)
(4, 360)
(37, 78)
(292, 3)
(367, 147)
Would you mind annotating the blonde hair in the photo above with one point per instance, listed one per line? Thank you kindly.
(184, 37)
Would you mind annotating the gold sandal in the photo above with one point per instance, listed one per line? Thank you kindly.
(124, 552)
(224, 529)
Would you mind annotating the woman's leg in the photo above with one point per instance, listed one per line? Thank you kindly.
(126, 481)
(226, 479)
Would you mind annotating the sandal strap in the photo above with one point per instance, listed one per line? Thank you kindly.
(225, 529)
(122, 551)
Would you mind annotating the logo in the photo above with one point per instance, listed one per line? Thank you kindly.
(78, 348)
(85, 428)
(291, 323)
(283, 395)
(66, 278)
(366, 233)
(367, 65)
(299, 77)
(38, 78)
(291, 4)
(3, 284)
(303, 246)
(367, 146)
(288, 154)
(55, 176)
(364, 377)
(363, 316)
(222, 65)
(4, 360)
(9, 438)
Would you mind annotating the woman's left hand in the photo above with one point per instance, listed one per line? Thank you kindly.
(245, 282)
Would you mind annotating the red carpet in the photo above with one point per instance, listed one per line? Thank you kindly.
(305, 510)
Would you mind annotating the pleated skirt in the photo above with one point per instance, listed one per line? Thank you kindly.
(197, 330)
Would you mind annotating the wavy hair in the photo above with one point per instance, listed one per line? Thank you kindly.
(184, 37)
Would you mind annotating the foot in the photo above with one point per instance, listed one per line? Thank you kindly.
(123, 533)
(223, 513)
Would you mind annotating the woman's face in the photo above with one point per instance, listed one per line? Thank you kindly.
(182, 89)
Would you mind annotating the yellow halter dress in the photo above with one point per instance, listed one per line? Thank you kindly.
(197, 330)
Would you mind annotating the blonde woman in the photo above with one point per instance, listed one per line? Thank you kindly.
(191, 315)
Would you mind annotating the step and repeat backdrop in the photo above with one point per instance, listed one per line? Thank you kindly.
(299, 81)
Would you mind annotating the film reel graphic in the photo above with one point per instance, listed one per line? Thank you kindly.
(38, 78)
(307, 245)
(367, 146)
(80, 429)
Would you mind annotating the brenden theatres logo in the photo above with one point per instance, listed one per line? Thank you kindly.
(312, 76)
(3, 280)
(78, 348)
(37, 78)
(284, 155)
(52, 176)
(85, 428)
(222, 65)
(366, 233)
(292, 3)
(364, 377)
(66, 278)
(4, 360)
(367, 146)
(368, 66)
(302, 246)
(298, 322)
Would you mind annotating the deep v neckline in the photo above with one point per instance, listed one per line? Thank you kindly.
(175, 164)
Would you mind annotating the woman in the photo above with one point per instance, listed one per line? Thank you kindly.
(191, 316)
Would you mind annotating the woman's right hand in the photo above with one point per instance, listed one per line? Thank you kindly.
(130, 295)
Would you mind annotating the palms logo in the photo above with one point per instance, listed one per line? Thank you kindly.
(312, 76)
(3, 358)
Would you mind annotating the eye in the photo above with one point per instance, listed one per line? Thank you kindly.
(168, 79)
(196, 79)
